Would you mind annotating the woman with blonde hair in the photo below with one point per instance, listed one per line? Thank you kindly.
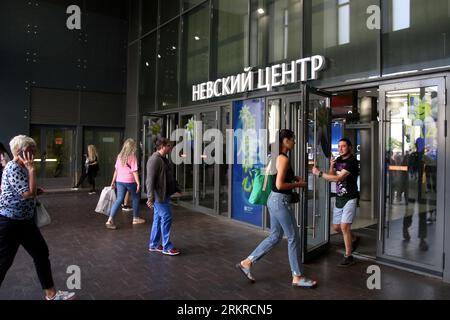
(90, 168)
(126, 178)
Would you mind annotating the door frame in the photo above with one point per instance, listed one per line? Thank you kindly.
(195, 204)
(318, 250)
(440, 200)
(54, 182)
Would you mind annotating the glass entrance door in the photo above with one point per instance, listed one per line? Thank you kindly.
(413, 172)
(185, 172)
(204, 181)
(55, 156)
(317, 151)
(311, 123)
(206, 193)
(154, 127)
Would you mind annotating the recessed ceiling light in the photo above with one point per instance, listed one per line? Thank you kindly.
(147, 64)
(159, 56)
(261, 11)
(174, 48)
(197, 38)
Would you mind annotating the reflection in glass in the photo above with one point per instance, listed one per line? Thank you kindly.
(168, 66)
(149, 15)
(206, 172)
(148, 74)
(411, 174)
(337, 29)
(277, 29)
(231, 32)
(224, 168)
(185, 171)
(168, 9)
(187, 4)
(401, 11)
(195, 56)
(318, 153)
(416, 35)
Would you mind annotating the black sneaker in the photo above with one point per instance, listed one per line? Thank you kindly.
(347, 261)
(355, 243)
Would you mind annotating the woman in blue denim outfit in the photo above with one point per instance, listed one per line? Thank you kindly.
(282, 219)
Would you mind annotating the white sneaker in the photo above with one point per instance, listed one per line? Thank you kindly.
(62, 295)
(138, 221)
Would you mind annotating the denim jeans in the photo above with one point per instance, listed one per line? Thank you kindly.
(162, 222)
(122, 187)
(282, 220)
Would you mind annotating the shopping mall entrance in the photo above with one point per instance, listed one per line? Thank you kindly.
(354, 116)
(400, 136)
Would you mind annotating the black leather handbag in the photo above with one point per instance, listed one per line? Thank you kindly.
(295, 197)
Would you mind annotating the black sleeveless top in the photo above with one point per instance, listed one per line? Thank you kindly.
(289, 178)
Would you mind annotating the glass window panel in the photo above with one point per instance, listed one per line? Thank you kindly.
(411, 174)
(134, 20)
(148, 73)
(277, 26)
(149, 15)
(187, 4)
(168, 66)
(231, 33)
(401, 14)
(169, 9)
(195, 57)
(344, 23)
(338, 30)
(416, 35)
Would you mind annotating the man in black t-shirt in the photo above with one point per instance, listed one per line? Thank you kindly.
(344, 171)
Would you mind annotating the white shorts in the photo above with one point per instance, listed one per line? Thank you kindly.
(346, 214)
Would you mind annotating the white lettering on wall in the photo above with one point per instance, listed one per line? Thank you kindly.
(267, 78)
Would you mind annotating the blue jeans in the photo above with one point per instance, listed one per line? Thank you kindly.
(122, 187)
(162, 222)
(282, 220)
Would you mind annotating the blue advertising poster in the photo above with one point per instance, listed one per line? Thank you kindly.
(248, 114)
(337, 133)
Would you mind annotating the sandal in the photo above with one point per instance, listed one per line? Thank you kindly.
(246, 272)
(305, 283)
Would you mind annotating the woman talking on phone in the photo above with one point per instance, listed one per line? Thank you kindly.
(17, 210)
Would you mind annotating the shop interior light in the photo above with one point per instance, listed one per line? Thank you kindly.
(197, 38)
(261, 11)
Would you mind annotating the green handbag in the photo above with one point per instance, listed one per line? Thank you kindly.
(262, 186)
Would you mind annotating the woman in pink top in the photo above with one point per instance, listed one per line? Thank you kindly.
(126, 178)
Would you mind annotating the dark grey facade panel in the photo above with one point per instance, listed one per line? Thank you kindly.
(51, 106)
(102, 109)
(132, 100)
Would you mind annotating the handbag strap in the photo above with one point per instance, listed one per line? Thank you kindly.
(266, 176)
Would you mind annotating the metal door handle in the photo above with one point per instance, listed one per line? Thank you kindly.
(314, 177)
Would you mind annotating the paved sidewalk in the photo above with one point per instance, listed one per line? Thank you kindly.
(115, 264)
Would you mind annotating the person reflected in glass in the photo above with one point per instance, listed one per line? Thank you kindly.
(282, 219)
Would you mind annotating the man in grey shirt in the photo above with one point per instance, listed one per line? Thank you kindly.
(161, 184)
